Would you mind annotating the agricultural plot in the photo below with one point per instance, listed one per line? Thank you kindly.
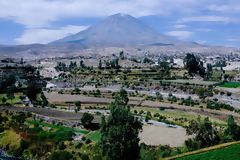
(94, 136)
(227, 153)
(57, 126)
(231, 85)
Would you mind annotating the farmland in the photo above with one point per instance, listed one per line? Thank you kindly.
(228, 153)
(231, 85)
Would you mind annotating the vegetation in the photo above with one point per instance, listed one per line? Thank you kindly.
(230, 85)
(119, 132)
(230, 152)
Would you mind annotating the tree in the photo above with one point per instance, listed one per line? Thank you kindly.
(10, 92)
(119, 133)
(78, 105)
(87, 120)
(159, 96)
(122, 97)
(4, 100)
(209, 70)
(100, 64)
(205, 133)
(21, 61)
(226, 77)
(233, 130)
(121, 55)
(193, 65)
(32, 91)
(201, 92)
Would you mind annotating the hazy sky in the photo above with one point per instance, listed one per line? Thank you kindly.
(215, 22)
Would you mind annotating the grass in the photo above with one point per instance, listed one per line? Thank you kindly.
(15, 100)
(57, 127)
(171, 114)
(230, 152)
(94, 136)
(230, 85)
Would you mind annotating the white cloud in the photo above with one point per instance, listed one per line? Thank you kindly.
(201, 41)
(209, 19)
(180, 34)
(231, 7)
(231, 39)
(44, 36)
(38, 13)
(178, 26)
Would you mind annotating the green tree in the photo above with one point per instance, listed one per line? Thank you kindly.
(100, 64)
(201, 92)
(121, 55)
(87, 119)
(209, 70)
(205, 133)
(122, 97)
(193, 65)
(4, 100)
(78, 105)
(233, 130)
(119, 133)
(32, 91)
(10, 92)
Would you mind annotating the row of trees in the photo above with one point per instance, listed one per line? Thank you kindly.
(61, 66)
(112, 64)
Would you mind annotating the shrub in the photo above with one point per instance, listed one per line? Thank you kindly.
(84, 157)
(61, 146)
(61, 155)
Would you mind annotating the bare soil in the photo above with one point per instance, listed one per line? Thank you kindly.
(156, 135)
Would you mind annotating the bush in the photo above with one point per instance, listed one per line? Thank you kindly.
(192, 144)
(79, 145)
(61, 146)
(162, 108)
(87, 120)
(61, 155)
(63, 135)
(88, 141)
(84, 157)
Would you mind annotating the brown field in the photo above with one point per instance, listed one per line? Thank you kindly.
(155, 135)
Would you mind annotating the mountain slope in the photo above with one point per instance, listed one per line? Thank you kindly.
(118, 30)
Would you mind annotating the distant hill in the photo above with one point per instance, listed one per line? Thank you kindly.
(119, 30)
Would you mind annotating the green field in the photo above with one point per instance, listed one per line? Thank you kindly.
(94, 136)
(15, 100)
(57, 127)
(231, 85)
(228, 153)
